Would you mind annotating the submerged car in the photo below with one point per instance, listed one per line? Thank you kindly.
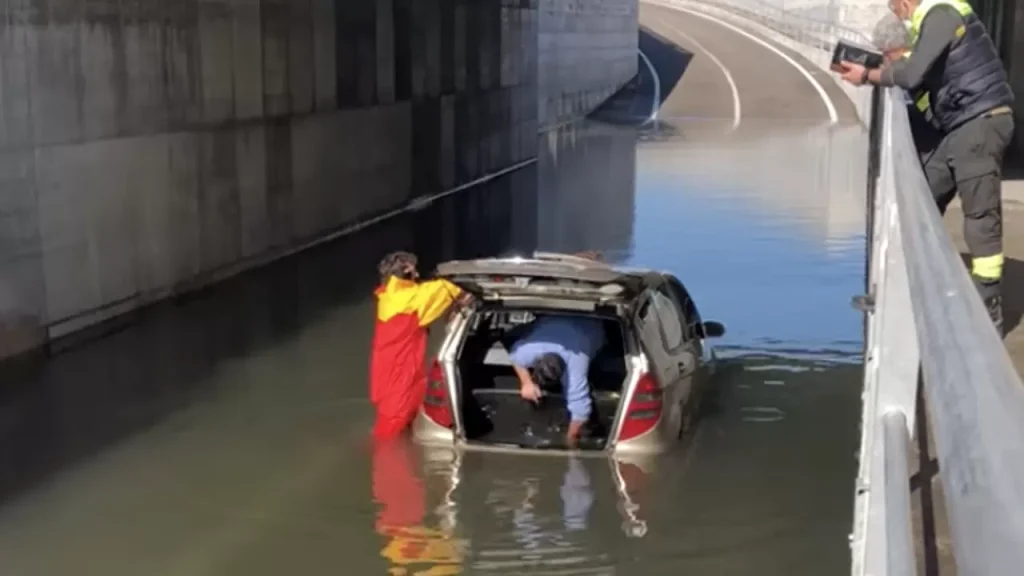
(645, 381)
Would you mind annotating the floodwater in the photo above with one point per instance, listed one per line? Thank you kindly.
(225, 434)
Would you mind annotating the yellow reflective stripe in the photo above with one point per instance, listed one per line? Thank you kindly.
(917, 18)
(988, 267)
(426, 300)
(921, 99)
(433, 298)
(922, 102)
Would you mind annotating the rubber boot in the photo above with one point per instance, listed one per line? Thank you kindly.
(994, 305)
(992, 295)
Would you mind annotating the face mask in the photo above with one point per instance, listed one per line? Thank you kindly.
(908, 24)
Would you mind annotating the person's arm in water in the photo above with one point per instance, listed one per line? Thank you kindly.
(937, 32)
(577, 393)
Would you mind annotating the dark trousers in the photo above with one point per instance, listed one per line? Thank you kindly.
(969, 161)
(926, 135)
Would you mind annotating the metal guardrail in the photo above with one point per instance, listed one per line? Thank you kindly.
(929, 341)
(974, 395)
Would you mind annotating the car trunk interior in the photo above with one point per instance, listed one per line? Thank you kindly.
(493, 412)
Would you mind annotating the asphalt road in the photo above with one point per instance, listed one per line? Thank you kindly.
(732, 77)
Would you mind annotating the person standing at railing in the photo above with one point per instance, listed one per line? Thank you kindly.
(954, 60)
(893, 39)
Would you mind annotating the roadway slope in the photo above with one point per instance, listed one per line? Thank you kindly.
(731, 71)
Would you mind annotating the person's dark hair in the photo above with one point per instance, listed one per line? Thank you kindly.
(548, 370)
(396, 264)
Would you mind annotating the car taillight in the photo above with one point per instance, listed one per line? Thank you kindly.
(436, 404)
(644, 408)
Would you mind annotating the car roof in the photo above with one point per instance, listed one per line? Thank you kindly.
(548, 275)
(550, 265)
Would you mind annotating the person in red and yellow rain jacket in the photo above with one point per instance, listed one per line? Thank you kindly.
(406, 306)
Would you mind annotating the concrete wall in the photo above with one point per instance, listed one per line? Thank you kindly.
(151, 146)
(587, 51)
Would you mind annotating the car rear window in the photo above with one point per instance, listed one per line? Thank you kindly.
(504, 326)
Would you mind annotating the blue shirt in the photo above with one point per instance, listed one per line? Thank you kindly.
(575, 340)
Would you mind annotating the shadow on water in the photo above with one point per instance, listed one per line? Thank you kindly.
(639, 99)
(668, 59)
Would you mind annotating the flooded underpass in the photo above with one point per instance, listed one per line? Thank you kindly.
(226, 434)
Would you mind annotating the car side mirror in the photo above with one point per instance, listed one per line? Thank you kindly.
(714, 329)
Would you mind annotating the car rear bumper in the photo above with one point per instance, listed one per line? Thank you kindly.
(427, 433)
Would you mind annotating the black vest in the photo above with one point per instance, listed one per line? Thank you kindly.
(968, 79)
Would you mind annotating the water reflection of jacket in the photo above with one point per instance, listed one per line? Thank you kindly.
(577, 496)
(397, 487)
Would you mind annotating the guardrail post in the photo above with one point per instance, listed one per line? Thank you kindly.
(900, 560)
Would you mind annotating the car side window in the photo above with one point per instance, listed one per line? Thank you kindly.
(647, 315)
(649, 322)
(672, 327)
(691, 318)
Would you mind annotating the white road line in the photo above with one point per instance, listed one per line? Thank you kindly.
(833, 116)
(736, 107)
(656, 102)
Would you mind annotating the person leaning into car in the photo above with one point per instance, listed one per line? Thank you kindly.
(969, 98)
(556, 351)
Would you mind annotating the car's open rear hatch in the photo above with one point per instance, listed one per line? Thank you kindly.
(544, 275)
(494, 414)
